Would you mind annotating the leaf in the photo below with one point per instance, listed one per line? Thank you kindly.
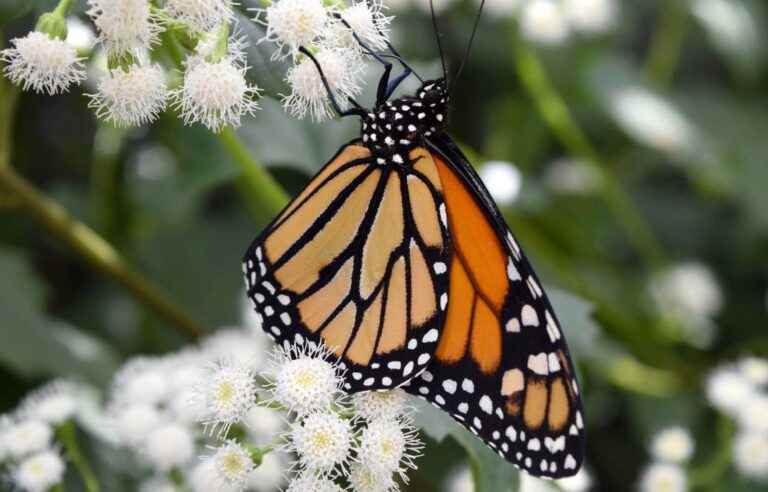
(34, 344)
(490, 472)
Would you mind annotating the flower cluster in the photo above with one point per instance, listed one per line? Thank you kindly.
(28, 444)
(670, 448)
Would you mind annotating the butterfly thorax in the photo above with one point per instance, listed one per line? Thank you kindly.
(395, 127)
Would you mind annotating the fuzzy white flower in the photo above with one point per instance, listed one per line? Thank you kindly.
(590, 16)
(581, 482)
(294, 23)
(169, 446)
(362, 477)
(269, 475)
(309, 96)
(125, 26)
(205, 478)
(26, 437)
(728, 390)
(309, 481)
(367, 21)
(542, 21)
(503, 180)
(200, 15)
(688, 288)
(673, 445)
(753, 414)
(755, 370)
(573, 176)
(460, 480)
(215, 94)
(750, 454)
(54, 403)
(141, 380)
(131, 97)
(304, 379)
(239, 345)
(229, 392)
(233, 465)
(372, 405)
(39, 472)
(134, 422)
(389, 446)
(664, 476)
(322, 441)
(42, 64)
(80, 34)
(263, 424)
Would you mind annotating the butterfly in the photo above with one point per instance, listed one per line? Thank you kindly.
(396, 257)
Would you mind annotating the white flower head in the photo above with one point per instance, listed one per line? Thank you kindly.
(389, 446)
(200, 15)
(294, 23)
(573, 176)
(728, 390)
(134, 422)
(233, 465)
(366, 20)
(309, 96)
(215, 94)
(125, 26)
(131, 97)
(80, 34)
(263, 424)
(503, 180)
(43, 64)
(169, 446)
(750, 454)
(322, 441)
(39, 472)
(141, 380)
(54, 402)
(591, 16)
(362, 477)
(753, 414)
(688, 288)
(664, 476)
(460, 480)
(309, 481)
(242, 346)
(270, 474)
(673, 445)
(229, 392)
(372, 405)
(205, 478)
(26, 436)
(755, 369)
(304, 379)
(581, 482)
(542, 21)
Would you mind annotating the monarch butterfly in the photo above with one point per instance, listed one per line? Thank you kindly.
(396, 257)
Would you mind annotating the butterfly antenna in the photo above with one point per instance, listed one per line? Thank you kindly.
(437, 37)
(471, 40)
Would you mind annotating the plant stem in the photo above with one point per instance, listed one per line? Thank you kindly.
(98, 252)
(63, 7)
(561, 122)
(67, 434)
(667, 42)
(712, 471)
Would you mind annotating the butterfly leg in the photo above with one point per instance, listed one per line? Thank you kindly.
(356, 110)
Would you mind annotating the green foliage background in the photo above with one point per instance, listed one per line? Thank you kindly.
(170, 199)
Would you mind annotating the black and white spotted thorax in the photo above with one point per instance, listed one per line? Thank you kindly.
(395, 127)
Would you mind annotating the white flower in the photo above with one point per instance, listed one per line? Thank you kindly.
(673, 445)
(389, 446)
(125, 26)
(755, 370)
(39, 472)
(229, 392)
(542, 21)
(750, 454)
(215, 94)
(308, 481)
(728, 390)
(80, 35)
(263, 424)
(590, 16)
(169, 446)
(688, 288)
(573, 176)
(268, 476)
(294, 23)
(461, 480)
(233, 465)
(503, 180)
(54, 403)
(581, 482)
(363, 478)
(26, 437)
(132, 97)
(309, 96)
(134, 422)
(373, 405)
(241, 346)
(303, 379)
(200, 15)
(141, 380)
(367, 21)
(205, 478)
(663, 477)
(530, 483)
(42, 64)
(158, 483)
(322, 441)
(753, 414)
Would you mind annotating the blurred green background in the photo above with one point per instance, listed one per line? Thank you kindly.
(641, 140)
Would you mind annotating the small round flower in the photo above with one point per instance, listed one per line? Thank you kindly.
(131, 97)
(367, 21)
(39, 472)
(294, 23)
(304, 380)
(728, 390)
(664, 476)
(461, 480)
(269, 475)
(26, 437)
(688, 288)
(309, 96)
(581, 482)
(124, 26)
(750, 454)
(200, 15)
(215, 94)
(233, 465)
(372, 405)
(263, 424)
(322, 441)
(56, 402)
(573, 176)
(42, 64)
(169, 446)
(205, 478)
(503, 180)
(590, 16)
(140, 380)
(755, 369)
(80, 34)
(753, 414)
(673, 445)
(229, 392)
(133, 423)
(542, 21)
(362, 477)
(238, 345)
(309, 481)
(389, 446)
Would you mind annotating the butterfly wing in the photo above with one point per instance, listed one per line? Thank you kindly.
(501, 367)
(358, 261)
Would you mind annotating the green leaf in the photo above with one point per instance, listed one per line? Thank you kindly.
(490, 472)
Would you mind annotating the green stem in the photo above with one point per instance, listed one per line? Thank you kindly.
(561, 122)
(67, 434)
(263, 193)
(63, 7)
(94, 249)
(59, 487)
(711, 471)
(667, 42)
